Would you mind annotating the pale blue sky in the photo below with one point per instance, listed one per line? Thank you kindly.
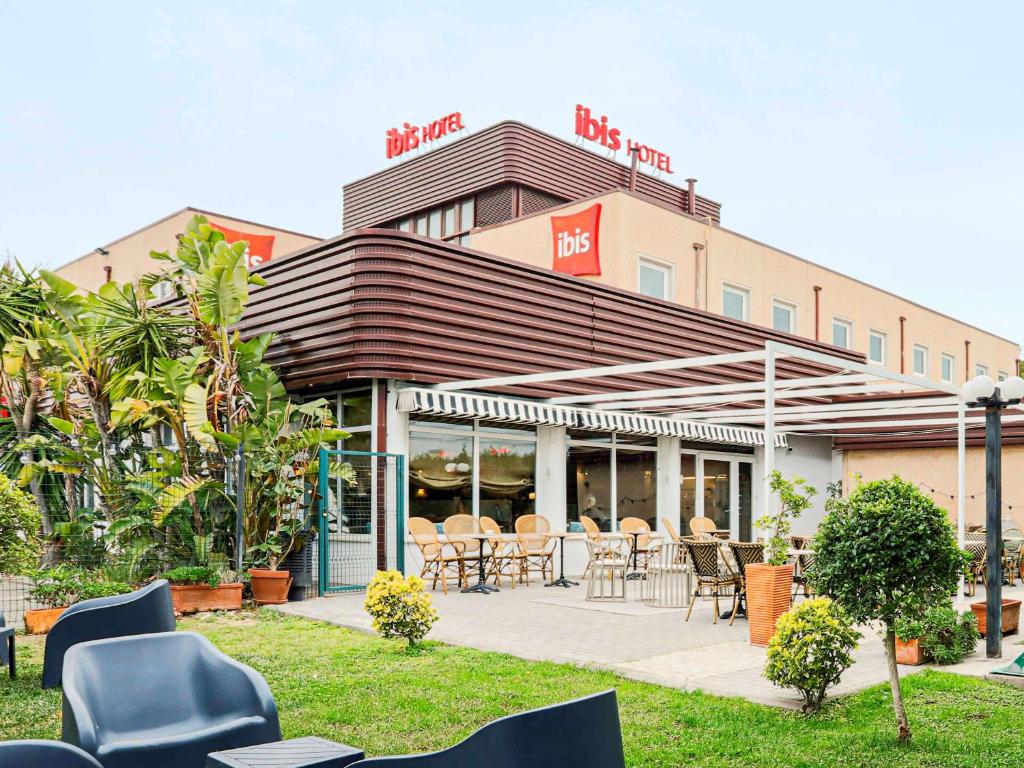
(885, 140)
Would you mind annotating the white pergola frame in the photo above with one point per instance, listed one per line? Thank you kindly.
(886, 404)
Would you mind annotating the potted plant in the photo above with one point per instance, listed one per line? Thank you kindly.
(283, 465)
(55, 588)
(1011, 615)
(769, 584)
(196, 588)
(942, 635)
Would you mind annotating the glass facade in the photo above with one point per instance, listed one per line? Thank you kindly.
(588, 476)
(611, 478)
(717, 498)
(440, 475)
(507, 480)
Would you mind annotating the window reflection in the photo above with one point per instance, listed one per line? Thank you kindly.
(636, 485)
(440, 475)
(588, 481)
(507, 489)
(688, 491)
(716, 492)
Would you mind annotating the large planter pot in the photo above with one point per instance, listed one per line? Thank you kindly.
(269, 587)
(1011, 615)
(769, 595)
(41, 621)
(909, 652)
(192, 598)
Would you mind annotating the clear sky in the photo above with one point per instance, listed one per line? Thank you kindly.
(882, 139)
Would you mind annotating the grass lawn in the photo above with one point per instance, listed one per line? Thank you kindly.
(364, 691)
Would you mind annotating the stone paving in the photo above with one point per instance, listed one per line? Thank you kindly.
(633, 639)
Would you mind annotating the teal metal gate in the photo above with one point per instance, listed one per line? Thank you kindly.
(362, 515)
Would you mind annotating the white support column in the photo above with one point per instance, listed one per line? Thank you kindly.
(769, 424)
(961, 473)
(668, 475)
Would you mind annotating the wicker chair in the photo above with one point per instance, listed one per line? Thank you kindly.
(703, 527)
(607, 573)
(462, 525)
(711, 575)
(647, 545)
(977, 567)
(506, 556)
(534, 542)
(604, 545)
(441, 560)
(1013, 567)
(745, 553)
(801, 564)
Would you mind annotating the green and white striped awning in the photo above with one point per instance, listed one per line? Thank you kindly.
(533, 412)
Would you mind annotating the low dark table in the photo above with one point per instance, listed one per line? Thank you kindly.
(7, 636)
(307, 752)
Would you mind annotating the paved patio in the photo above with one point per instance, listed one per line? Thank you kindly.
(633, 639)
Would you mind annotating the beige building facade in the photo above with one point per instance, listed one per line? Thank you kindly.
(127, 258)
(648, 247)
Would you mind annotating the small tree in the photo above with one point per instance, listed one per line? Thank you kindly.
(811, 649)
(399, 606)
(20, 522)
(794, 499)
(885, 553)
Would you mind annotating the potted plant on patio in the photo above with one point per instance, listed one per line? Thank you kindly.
(196, 588)
(769, 584)
(61, 587)
(942, 635)
(283, 472)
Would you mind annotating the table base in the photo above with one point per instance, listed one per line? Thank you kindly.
(561, 581)
(483, 589)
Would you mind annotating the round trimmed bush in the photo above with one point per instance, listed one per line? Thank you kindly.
(811, 649)
(400, 606)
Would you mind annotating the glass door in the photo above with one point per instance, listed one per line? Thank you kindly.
(719, 487)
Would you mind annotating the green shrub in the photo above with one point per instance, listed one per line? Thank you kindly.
(20, 523)
(194, 574)
(811, 649)
(66, 585)
(945, 636)
(400, 607)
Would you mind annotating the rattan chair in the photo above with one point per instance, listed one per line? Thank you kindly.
(977, 568)
(801, 565)
(441, 560)
(669, 578)
(703, 527)
(537, 546)
(605, 545)
(744, 553)
(607, 573)
(464, 525)
(711, 574)
(647, 544)
(1013, 539)
(506, 557)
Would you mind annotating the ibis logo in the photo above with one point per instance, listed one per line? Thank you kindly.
(259, 248)
(575, 242)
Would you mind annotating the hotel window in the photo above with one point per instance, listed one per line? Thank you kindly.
(609, 478)
(654, 279)
(1002, 376)
(920, 360)
(980, 370)
(783, 316)
(471, 468)
(876, 347)
(842, 333)
(948, 366)
(735, 302)
(451, 222)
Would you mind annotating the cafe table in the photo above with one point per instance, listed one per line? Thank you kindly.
(481, 586)
(561, 581)
(636, 573)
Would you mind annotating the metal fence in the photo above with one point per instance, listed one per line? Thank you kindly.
(361, 517)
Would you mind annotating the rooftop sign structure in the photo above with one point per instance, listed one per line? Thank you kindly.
(398, 142)
(598, 129)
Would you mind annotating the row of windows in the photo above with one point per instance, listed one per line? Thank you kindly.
(449, 222)
(655, 279)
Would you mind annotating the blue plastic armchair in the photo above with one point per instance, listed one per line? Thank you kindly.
(140, 612)
(162, 701)
(583, 733)
(4, 660)
(43, 754)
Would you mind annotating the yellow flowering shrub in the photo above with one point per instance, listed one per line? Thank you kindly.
(811, 649)
(400, 606)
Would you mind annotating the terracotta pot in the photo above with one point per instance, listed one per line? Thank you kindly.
(269, 587)
(769, 595)
(909, 652)
(41, 621)
(1011, 615)
(192, 598)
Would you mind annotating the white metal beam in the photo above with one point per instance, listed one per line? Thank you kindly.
(675, 364)
(795, 418)
(755, 397)
(906, 424)
(745, 413)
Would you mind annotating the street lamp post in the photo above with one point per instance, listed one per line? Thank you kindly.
(982, 392)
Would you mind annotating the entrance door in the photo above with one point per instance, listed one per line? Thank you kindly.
(717, 486)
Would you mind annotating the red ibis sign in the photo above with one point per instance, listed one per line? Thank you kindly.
(574, 242)
(259, 248)
(398, 142)
(597, 129)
